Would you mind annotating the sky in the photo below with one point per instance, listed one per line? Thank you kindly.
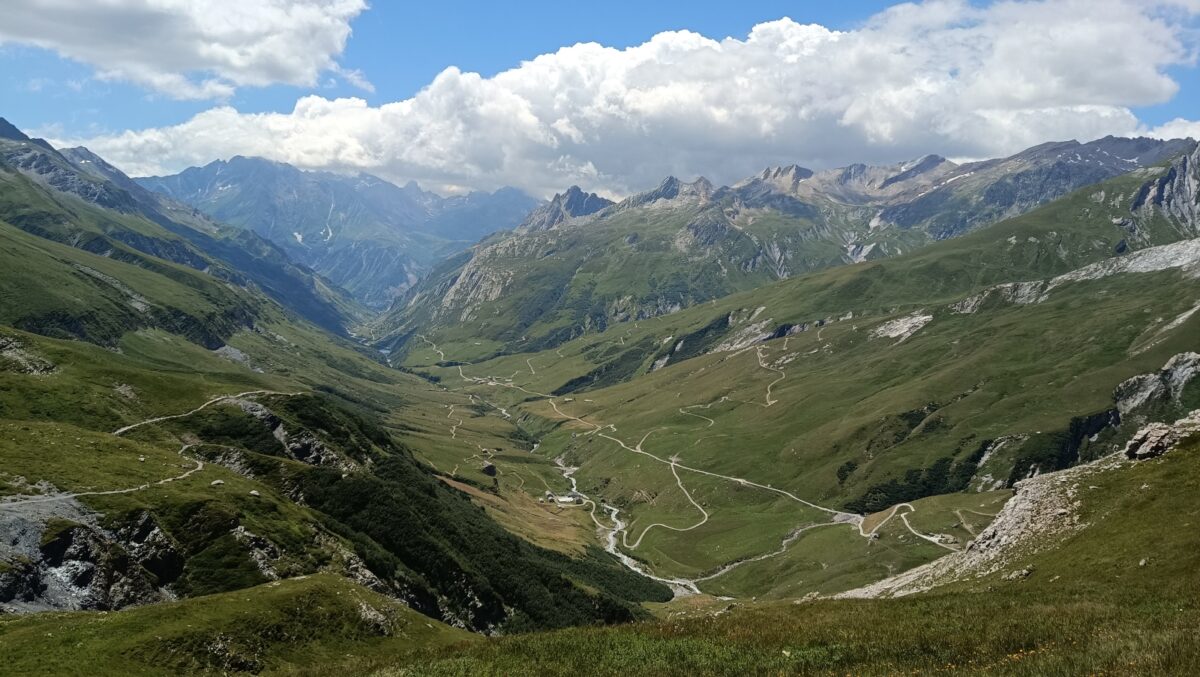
(612, 97)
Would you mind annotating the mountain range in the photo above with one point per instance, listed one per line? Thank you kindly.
(581, 264)
(370, 237)
(920, 417)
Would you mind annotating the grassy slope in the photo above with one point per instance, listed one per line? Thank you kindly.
(58, 425)
(144, 231)
(847, 397)
(296, 622)
(1090, 607)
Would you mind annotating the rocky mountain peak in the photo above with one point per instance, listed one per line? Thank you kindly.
(785, 179)
(563, 207)
(675, 191)
(910, 170)
(8, 131)
(852, 174)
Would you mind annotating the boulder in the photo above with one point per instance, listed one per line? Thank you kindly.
(1156, 439)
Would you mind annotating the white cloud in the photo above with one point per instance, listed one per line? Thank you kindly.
(191, 49)
(942, 76)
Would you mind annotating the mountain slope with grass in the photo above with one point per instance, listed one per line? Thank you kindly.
(682, 244)
(829, 430)
(834, 471)
(76, 198)
(171, 431)
(1112, 597)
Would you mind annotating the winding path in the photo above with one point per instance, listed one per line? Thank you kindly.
(182, 452)
(215, 400)
(618, 527)
(141, 487)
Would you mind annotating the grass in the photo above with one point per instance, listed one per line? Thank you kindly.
(1088, 608)
(293, 623)
(127, 369)
(889, 409)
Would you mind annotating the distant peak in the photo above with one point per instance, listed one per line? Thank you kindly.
(792, 174)
(572, 203)
(8, 131)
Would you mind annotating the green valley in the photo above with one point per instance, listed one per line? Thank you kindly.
(587, 445)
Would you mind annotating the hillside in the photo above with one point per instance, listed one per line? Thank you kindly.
(170, 431)
(943, 376)
(368, 236)
(197, 476)
(1111, 597)
(76, 198)
(654, 253)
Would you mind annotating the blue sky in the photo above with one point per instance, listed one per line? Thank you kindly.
(157, 90)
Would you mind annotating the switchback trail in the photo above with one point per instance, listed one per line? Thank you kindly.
(618, 528)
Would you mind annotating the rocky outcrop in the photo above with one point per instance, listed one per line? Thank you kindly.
(1157, 439)
(301, 446)
(672, 193)
(902, 328)
(15, 357)
(56, 556)
(1165, 384)
(1175, 194)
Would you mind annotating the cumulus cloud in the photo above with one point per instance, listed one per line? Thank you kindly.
(191, 49)
(941, 76)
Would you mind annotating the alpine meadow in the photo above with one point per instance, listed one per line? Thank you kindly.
(486, 339)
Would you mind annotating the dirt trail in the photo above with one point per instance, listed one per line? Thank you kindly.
(782, 374)
(215, 400)
(895, 512)
(617, 530)
(453, 428)
(441, 355)
(182, 452)
(141, 487)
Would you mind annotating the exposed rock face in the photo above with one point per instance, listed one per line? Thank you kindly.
(49, 168)
(673, 192)
(303, 446)
(902, 328)
(262, 551)
(1157, 439)
(57, 557)
(1175, 194)
(1165, 384)
(477, 284)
